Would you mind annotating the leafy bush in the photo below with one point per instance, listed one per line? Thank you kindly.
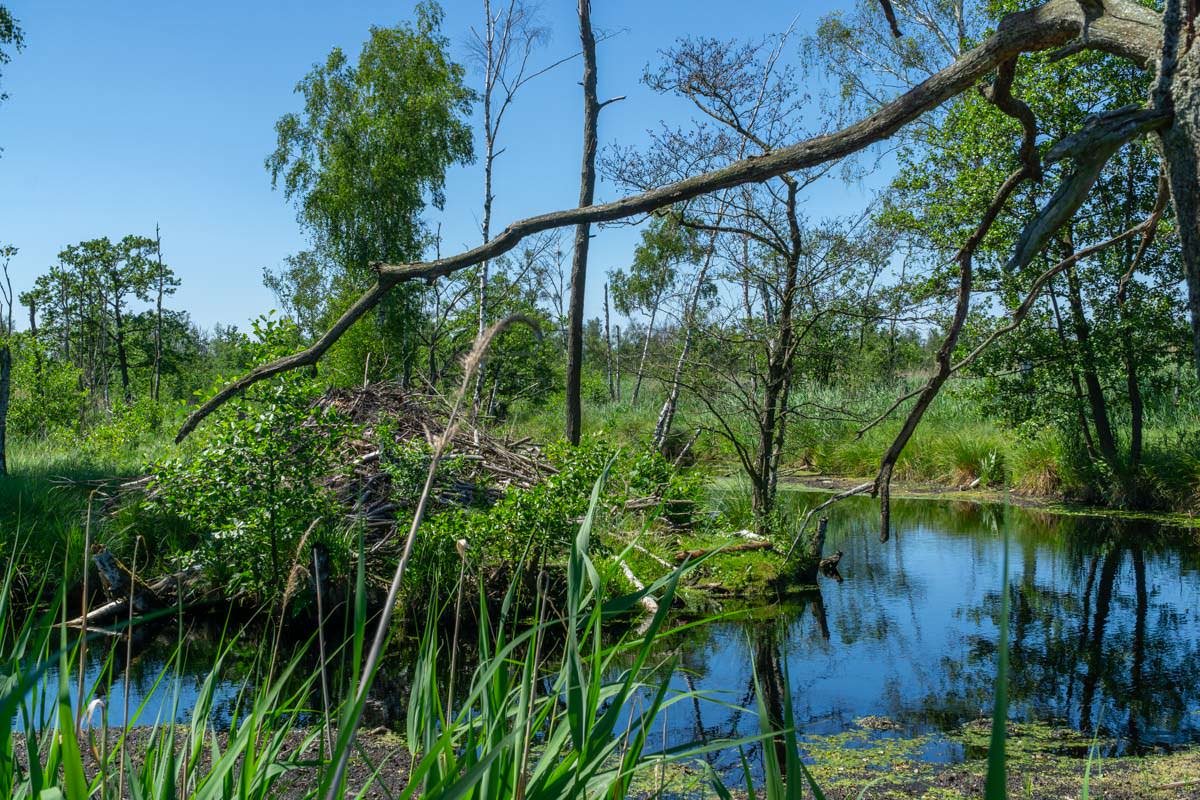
(258, 479)
(46, 398)
(128, 427)
(544, 517)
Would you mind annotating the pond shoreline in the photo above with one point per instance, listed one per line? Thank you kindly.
(843, 769)
(832, 484)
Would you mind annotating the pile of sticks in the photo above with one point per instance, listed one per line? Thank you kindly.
(483, 465)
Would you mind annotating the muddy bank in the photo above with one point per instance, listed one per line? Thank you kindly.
(1044, 765)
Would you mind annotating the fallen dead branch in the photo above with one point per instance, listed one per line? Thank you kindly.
(691, 555)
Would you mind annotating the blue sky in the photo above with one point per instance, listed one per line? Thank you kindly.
(126, 114)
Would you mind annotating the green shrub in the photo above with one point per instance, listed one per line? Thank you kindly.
(258, 479)
(543, 518)
(46, 398)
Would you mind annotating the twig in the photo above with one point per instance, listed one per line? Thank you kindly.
(862, 488)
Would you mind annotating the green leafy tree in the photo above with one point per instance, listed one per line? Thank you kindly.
(1100, 331)
(302, 286)
(89, 299)
(365, 156)
(665, 247)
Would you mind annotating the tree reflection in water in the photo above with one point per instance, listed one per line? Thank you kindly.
(1104, 622)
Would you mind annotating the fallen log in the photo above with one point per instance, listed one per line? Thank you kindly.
(180, 588)
(647, 602)
(686, 555)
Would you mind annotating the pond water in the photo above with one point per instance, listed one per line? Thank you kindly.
(1104, 627)
(1104, 634)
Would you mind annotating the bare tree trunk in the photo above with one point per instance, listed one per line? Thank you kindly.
(1076, 385)
(608, 361)
(489, 160)
(587, 192)
(1091, 379)
(1128, 351)
(39, 383)
(491, 404)
(641, 370)
(777, 454)
(617, 363)
(158, 319)
(780, 361)
(666, 417)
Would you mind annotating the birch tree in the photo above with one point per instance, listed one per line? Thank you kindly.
(1158, 43)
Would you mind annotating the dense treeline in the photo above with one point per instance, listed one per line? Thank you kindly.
(408, 430)
(771, 333)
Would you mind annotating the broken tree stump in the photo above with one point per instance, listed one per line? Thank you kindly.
(120, 583)
(121, 586)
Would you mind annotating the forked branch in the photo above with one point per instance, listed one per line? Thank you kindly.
(1120, 27)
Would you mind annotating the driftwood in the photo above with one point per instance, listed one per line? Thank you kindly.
(185, 587)
(685, 555)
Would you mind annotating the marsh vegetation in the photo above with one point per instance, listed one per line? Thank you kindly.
(495, 522)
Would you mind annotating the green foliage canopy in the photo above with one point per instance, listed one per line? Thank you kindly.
(374, 141)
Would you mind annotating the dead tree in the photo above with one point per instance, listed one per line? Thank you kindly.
(777, 265)
(503, 49)
(6, 360)
(587, 191)
(608, 349)
(1146, 38)
(579, 258)
(666, 415)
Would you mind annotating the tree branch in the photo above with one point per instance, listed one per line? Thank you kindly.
(1120, 27)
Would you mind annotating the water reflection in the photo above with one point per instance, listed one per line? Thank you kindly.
(1104, 635)
(1104, 628)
